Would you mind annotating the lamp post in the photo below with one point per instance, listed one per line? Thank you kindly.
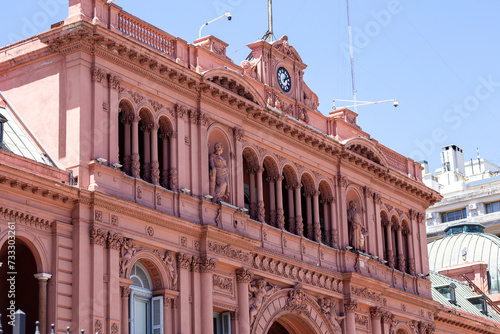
(228, 15)
(364, 103)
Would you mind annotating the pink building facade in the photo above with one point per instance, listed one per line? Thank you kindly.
(193, 195)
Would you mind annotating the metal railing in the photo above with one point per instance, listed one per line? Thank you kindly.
(477, 290)
(20, 325)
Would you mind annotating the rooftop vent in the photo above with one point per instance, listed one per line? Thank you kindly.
(464, 227)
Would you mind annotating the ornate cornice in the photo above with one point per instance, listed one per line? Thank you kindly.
(26, 218)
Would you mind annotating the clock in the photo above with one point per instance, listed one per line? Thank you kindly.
(284, 79)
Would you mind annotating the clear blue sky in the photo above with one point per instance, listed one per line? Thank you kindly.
(440, 59)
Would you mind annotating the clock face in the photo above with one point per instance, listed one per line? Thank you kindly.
(284, 79)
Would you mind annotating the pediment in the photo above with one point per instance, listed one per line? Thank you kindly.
(284, 47)
(366, 149)
(235, 83)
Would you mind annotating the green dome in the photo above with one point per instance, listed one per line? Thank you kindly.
(467, 247)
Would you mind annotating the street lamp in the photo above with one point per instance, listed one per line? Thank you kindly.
(228, 15)
(364, 103)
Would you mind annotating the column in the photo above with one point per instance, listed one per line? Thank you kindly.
(390, 251)
(272, 201)
(164, 162)
(291, 209)
(376, 315)
(136, 164)
(350, 307)
(114, 124)
(299, 224)
(342, 213)
(253, 204)
(334, 233)
(167, 314)
(184, 312)
(113, 245)
(146, 128)
(261, 210)
(173, 182)
(316, 221)
(42, 300)
(196, 297)
(243, 277)
(127, 159)
(411, 248)
(379, 227)
(387, 322)
(326, 203)
(207, 266)
(125, 294)
(401, 256)
(371, 238)
(155, 165)
(309, 217)
(280, 214)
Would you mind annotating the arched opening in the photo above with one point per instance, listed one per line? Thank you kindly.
(394, 262)
(308, 192)
(385, 236)
(145, 311)
(145, 126)
(250, 167)
(269, 178)
(291, 324)
(326, 213)
(405, 234)
(22, 287)
(164, 150)
(126, 115)
(290, 182)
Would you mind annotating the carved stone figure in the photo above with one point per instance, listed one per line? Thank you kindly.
(259, 289)
(328, 307)
(219, 175)
(357, 232)
(126, 253)
(169, 262)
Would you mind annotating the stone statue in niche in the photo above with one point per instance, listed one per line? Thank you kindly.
(357, 232)
(219, 175)
(328, 307)
(258, 290)
(169, 261)
(127, 251)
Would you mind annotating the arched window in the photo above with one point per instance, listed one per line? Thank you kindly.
(145, 311)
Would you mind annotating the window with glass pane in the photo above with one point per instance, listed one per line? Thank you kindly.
(493, 207)
(454, 215)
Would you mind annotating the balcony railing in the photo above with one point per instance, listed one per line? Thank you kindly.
(146, 34)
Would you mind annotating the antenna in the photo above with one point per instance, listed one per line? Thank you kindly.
(351, 51)
(270, 20)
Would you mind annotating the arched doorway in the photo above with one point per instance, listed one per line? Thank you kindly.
(145, 311)
(25, 285)
(291, 324)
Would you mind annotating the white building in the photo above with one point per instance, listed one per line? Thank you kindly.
(470, 189)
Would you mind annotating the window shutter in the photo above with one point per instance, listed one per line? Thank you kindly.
(157, 314)
(226, 323)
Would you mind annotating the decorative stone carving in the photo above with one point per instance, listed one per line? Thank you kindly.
(136, 97)
(157, 106)
(376, 312)
(238, 134)
(259, 290)
(296, 301)
(98, 236)
(361, 320)
(98, 75)
(127, 251)
(125, 291)
(243, 275)
(222, 283)
(228, 251)
(98, 326)
(350, 306)
(184, 261)
(172, 178)
(357, 232)
(343, 182)
(365, 293)
(115, 241)
(169, 262)
(219, 175)
(114, 220)
(329, 309)
(207, 265)
(114, 328)
(114, 82)
(136, 165)
(150, 231)
(98, 215)
(261, 212)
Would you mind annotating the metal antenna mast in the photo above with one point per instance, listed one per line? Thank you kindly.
(270, 20)
(351, 51)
